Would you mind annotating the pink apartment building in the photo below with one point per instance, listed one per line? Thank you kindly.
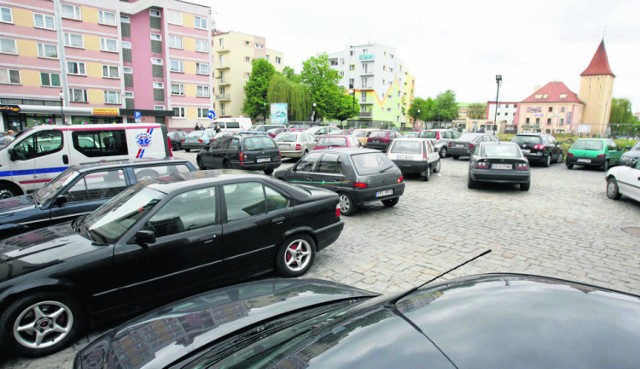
(82, 61)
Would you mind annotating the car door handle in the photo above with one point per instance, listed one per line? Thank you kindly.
(278, 220)
(309, 179)
(208, 238)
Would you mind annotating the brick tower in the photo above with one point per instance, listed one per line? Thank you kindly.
(596, 90)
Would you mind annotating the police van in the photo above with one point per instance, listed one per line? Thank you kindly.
(40, 153)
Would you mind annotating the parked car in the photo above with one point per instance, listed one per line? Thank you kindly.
(157, 241)
(441, 137)
(265, 127)
(357, 175)
(415, 155)
(499, 162)
(197, 140)
(541, 148)
(336, 141)
(273, 132)
(411, 134)
(79, 190)
(467, 143)
(624, 180)
(176, 138)
(594, 152)
(363, 134)
(323, 130)
(241, 151)
(481, 321)
(629, 157)
(295, 144)
(381, 139)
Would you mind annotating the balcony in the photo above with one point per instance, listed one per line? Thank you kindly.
(223, 97)
(367, 73)
(366, 114)
(222, 82)
(366, 88)
(220, 67)
(367, 57)
(222, 50)
(366, 102)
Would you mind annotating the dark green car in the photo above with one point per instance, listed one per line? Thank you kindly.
(595, 152)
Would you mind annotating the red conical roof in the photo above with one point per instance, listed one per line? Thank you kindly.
(599, 65)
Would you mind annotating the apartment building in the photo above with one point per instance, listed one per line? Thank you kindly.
(503, 114)
(82, 61)
(553, 108)
(379, 81)
(233, 53)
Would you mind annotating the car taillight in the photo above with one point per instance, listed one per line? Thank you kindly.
(522, 166)
(170, 147)
(298, 147)
(242, 157)
(338, 211)
(471, 146)
(200, 140)
(481, 165)
(601, 156)
(360, 185)
(569, 154)
(538, 147)
(437, 135)
(400, 179)
(182, 140)
(424, 154)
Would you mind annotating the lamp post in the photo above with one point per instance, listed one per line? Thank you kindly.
(61, 107)
(352, 91)
(495, 115)
(313, 114)
(416, 122)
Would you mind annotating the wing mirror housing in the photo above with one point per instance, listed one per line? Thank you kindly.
(145, 237)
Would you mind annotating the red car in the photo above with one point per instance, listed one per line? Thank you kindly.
(336, 141)
(273, 132)
(381, 139)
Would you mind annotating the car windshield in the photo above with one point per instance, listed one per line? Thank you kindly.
(502, 151)
(371, 162)
(286, 137)
(406, 147)
(428, 134)
(110, 221)
(52, 189)
(527, 139)
(636, 147)
(332, 141)
(468, 137)
(587, 145)
(196, 133)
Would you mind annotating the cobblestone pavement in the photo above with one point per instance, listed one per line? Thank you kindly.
(565, 226)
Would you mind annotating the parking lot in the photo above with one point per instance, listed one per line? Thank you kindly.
(564, 226)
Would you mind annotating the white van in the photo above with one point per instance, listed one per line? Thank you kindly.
(40, 153)
(232, 124)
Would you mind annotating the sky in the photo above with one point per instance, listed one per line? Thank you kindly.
(456, 45)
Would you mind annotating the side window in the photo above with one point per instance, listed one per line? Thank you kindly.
(251, 144)
(446, 134)
(307, 163)
(25, 149)
(233, 144)
(187, 211)
(275, 200)
(244, 200)
(330, 163)
(97, 185)
(612, 145)
(142, 173)
(100, 143)
(48, 142)
(455, 134)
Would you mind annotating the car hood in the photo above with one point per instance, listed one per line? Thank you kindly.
(40, 248)
(200, 320)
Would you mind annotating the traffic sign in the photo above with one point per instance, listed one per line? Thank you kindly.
(137, 114)
(211, 114)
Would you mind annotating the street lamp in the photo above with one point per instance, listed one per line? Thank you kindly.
(495, 115)
(313, 115)
(416, 122)
(352, 91)
(61, 107)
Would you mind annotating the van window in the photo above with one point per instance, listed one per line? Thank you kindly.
(100, 143)
(40, 144)
(232, 125)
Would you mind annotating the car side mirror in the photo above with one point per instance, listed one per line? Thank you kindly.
(60, 200)
(12, 155)
(145, 237)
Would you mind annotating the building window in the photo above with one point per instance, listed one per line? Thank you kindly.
(278, 60)
(178, 112)
(177, 66)
(548, 120)
(202, 68)
(177, 89)
(43, 21)
(156, 61)
(154, 13)
(202, 91)
(109, 44)
(561, 121)
(110, 71)
(158, 85)
(202, 46)
(551, 109)
(158, 107)
(73, 40)
(537, 121)
(77, 68)
(77, 95)
(47, 51)
(562, 109)
(223, 109)
(49, 79)
(175, 42)
(107, 18)
(174, 17)
(112, 97)
(352, 67)
(71, 12)
(10, 76)
(259, 46)
(155, 21)
(527, 120)
(8, 46)
(125, 19)
(247, 59)
(203, 112)
(128, 94)
(6, 15)
(201, 23)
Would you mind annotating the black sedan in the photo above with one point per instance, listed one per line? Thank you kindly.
(485, 321)
(154, 242)
(466, 144)
(79, 190)
(499, 162)
(357, 175)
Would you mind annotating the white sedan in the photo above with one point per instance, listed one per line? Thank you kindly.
(295, 144)
(624, 180)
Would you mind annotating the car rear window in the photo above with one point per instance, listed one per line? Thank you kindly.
(502, 151)
(259, 143)
(428, 134)
(587, 145)
(285, 137)
(527, 139)
(406, 147)
(371, 162)
(332, 141)
(377, 134)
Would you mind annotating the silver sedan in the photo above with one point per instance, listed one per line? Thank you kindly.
(295, 144)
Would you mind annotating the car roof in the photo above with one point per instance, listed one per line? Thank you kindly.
(349, 151)
(126, 163)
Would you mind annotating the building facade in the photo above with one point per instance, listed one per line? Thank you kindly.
(551, 109)
(233, 53)
(503, 114)
(380, 83)
(82, 61)
(596, 91)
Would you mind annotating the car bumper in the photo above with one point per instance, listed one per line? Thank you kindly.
(500, 176)
(292, 154)
(411, 166)
(538, 157)
(451, 151)
(328, 235)
(595, 162)
(193, 146)
(256, 166)
(374, 194)
(377, 146)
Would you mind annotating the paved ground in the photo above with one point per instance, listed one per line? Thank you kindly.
(565, 226)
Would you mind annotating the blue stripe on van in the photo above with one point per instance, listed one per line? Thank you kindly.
(10, 173)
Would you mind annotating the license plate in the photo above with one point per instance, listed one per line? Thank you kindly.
(525, 151)
(284, 146)
(384, 193)
(262, 160)
(584, 160)
(459, 145)
(404, 157)
(501, 166)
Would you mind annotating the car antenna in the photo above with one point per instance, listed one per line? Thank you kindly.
(442, 274)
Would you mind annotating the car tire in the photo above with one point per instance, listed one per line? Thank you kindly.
(200, 165)
(295, 255)
(390, 202)
(547, 162)
(438, 167)
(62, 321)
(525, 186)
(426, 174)
(226, 164)
(455, 157)
(268, 171)
(187, 150)
(443, 152)
(471, 183)
(569, 166)
(7, 191)
(347, 206)
(560, 158)
(613, 191)
(605, 165)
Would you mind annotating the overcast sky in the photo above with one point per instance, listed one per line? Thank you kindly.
(457, 45)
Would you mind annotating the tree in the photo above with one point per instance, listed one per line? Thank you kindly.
(322, 83)
(255, 102)
(621, 112)
(345, 108)
(425, 107)
(445, 107)
(283, 90)
(290, 74)
(477, 111)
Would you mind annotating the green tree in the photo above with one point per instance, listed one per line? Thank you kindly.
(255, 90)
(322, 84)
(283, 90)
(621, 112)
(345, 107)
(445, 107)
(477, 110)
(425, 107)
(290, 74)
